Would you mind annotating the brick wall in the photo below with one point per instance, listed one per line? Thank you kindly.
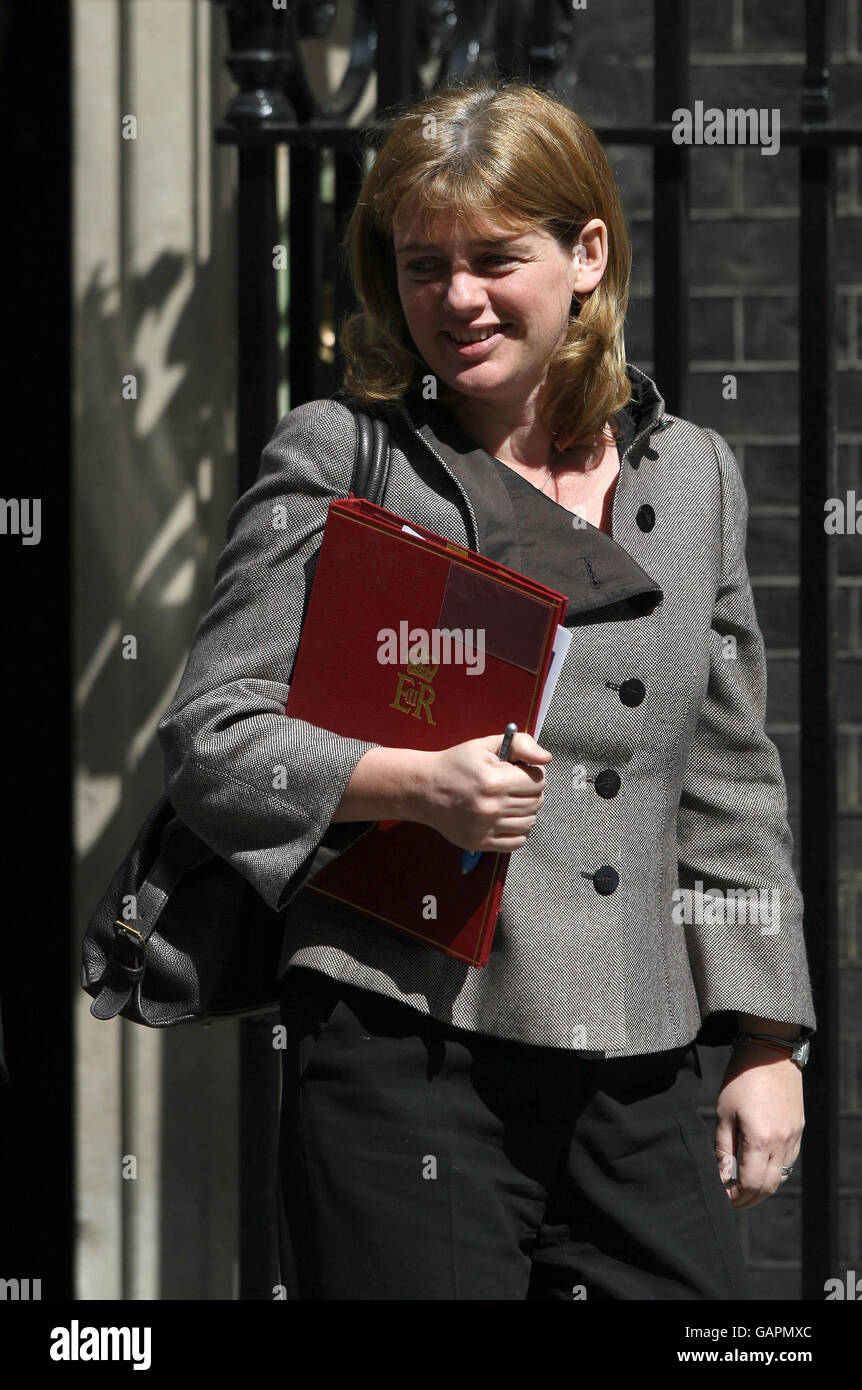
(744, 320)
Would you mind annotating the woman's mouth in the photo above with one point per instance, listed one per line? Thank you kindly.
(474, 342)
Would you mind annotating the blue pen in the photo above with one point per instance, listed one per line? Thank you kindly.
(468, 860)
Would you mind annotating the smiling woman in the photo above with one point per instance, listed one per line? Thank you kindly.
(493, 209)
(488, 322)
(528, 1128)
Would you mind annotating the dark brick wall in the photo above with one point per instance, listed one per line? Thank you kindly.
(744, 320)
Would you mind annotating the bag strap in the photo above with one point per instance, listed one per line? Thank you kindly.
(371, 461)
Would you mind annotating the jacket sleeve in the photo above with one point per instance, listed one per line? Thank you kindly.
(257, 786)
(733, 835)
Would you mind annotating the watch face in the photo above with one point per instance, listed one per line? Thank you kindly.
(801, 1051)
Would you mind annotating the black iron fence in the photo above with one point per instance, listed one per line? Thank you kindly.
(276, 106)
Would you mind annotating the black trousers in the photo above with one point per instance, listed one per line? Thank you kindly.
(421, 1161)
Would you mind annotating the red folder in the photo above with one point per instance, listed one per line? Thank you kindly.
(373, 576)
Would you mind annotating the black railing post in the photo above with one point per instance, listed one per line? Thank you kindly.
(257, 354)
(257, 309)
(670, 208)
(817, 570)
(397, 79)
(306, 274)
(260, 59)
(348, 181)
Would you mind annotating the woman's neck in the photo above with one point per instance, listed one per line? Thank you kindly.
(520, 437)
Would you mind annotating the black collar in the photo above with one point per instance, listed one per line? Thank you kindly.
(588, 565)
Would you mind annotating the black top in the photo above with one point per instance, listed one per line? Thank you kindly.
(527, 530)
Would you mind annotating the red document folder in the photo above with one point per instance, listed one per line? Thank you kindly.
(371, 576)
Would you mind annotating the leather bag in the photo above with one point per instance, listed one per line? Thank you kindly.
(199, 943)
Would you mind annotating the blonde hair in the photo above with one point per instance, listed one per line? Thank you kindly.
(518, 155)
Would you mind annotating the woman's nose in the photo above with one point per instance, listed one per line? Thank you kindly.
(464, 291)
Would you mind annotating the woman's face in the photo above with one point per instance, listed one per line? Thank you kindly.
(487, 307)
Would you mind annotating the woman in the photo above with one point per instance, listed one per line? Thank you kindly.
(529, 1129)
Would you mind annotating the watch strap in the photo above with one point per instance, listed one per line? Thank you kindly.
(780, 1044)
(795, 1048)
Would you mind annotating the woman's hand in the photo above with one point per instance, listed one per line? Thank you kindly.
(760, 1117)
(478, 802)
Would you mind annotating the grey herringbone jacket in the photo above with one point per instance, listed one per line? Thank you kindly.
(672, 701)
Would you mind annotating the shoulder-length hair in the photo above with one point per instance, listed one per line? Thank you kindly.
(517, 155)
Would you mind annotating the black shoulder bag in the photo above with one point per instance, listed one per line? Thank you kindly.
(180, 936)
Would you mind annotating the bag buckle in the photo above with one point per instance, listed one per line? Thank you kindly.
(131, 938)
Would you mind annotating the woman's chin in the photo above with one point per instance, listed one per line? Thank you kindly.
(478, 380)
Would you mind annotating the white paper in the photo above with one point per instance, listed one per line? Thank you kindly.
(561, 646)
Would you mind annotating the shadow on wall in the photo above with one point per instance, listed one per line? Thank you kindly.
(155, 480)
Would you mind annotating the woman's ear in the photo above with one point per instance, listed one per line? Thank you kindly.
(589, 255)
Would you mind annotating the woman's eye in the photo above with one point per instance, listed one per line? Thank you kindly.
(428, 267)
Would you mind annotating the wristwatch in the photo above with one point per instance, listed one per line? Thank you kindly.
(797, 1049)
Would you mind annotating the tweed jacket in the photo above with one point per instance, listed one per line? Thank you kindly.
(626, 924)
